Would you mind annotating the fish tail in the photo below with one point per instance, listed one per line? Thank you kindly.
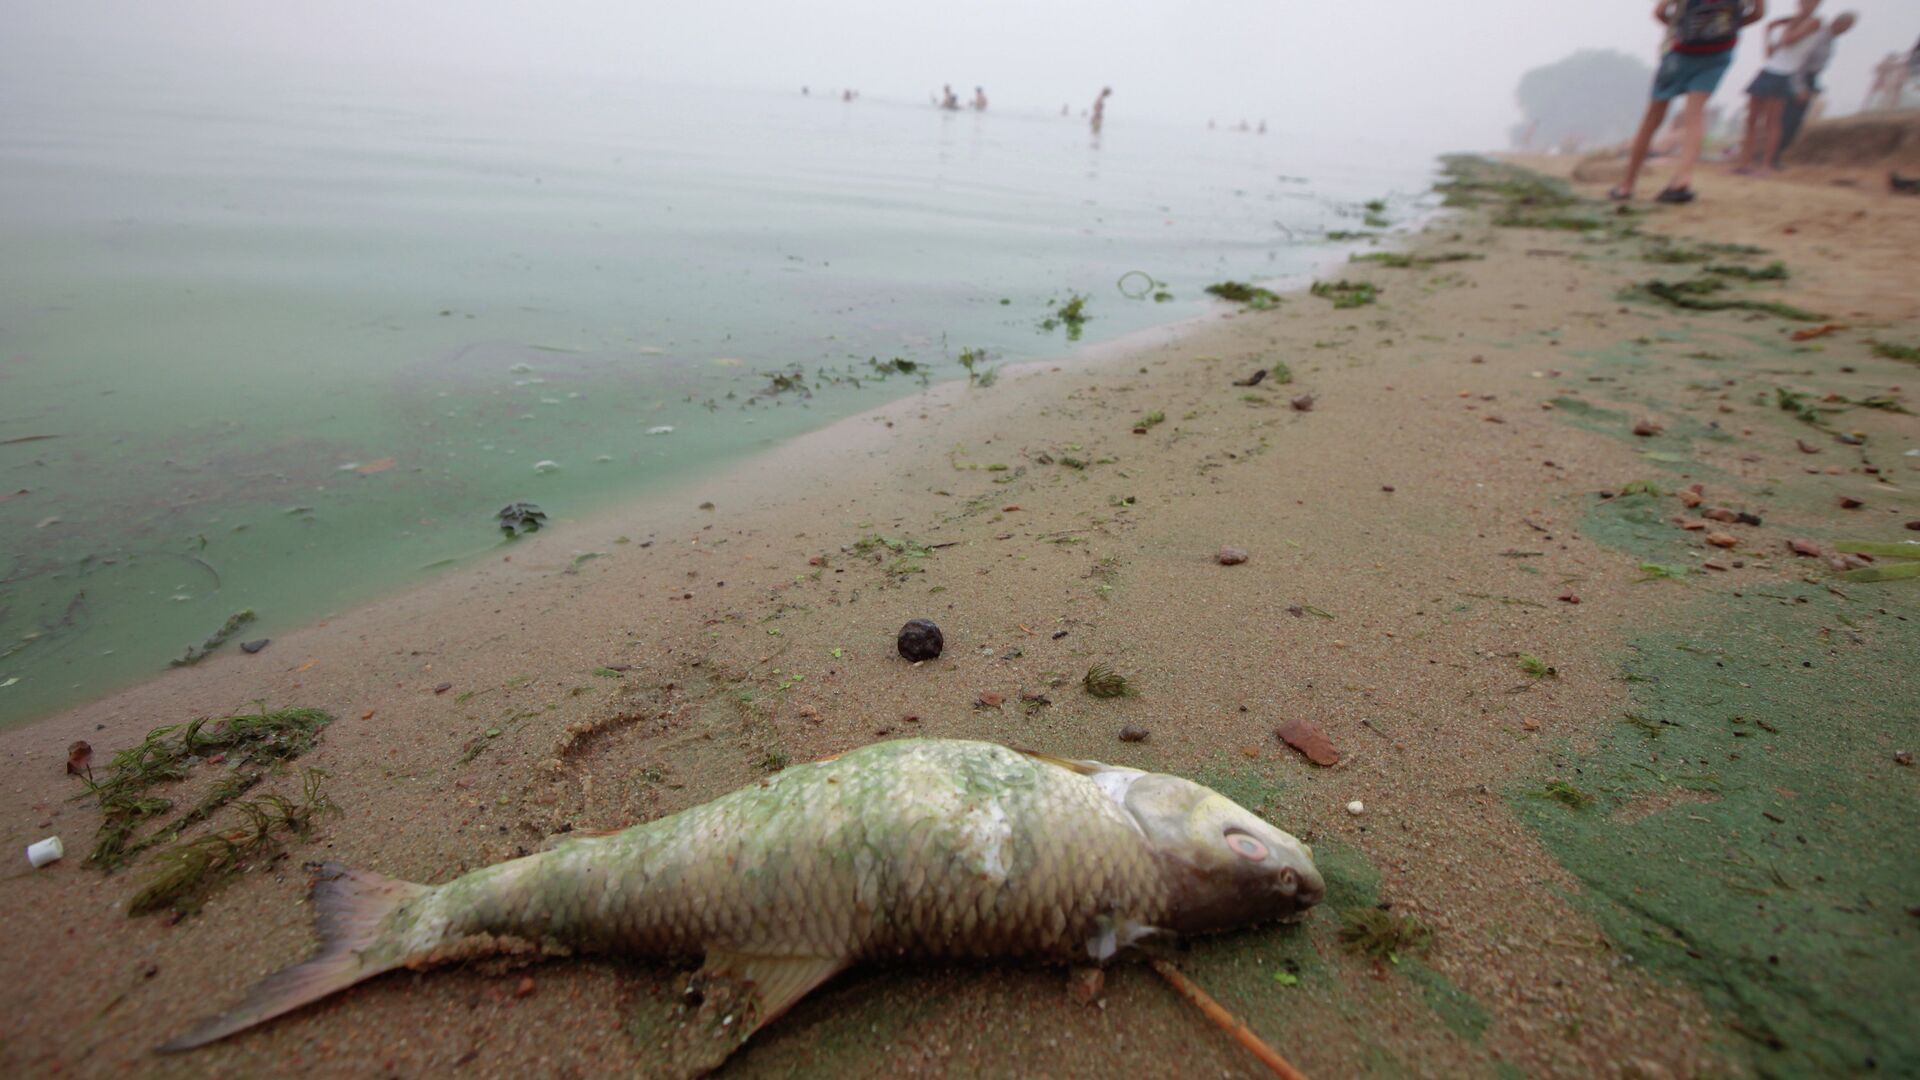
(354, 915)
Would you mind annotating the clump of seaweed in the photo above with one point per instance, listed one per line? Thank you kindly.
(187, 873)
(1346, 294)
(1102, 681)
(793, 379)
(1381, 934)
(1522, 219)
(1338, 235)
(1536, 668)
(1671, 254)
(1152, 419)
(1566, 795)
(1400, 260)
(1890, 351)
(1253, 296)
(906, 551)
(1072, 314)
(1696, 295)
(896, 366)
(124, 797)
(1773, 271)
(1473, 180)
(1799, 404)
(518, 517)
(224, 791)
(971, 359)
(197, 653)
(905, 547)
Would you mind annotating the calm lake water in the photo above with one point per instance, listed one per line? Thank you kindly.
(282, 352)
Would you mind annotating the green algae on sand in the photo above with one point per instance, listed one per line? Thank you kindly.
(1764, 849)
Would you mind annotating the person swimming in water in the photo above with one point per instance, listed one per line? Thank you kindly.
(979, 103)
(1100, 107)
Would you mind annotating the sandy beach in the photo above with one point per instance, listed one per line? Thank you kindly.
(1449, 499)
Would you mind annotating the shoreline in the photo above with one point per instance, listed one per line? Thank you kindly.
(658, 492)
(1413, 535)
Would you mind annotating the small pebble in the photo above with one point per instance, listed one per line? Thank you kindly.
(1133, 734)
(525, 989)
(443, 688)
(1356, 808)
(1231, 556)
(1903, 757)
(1720, 539)
(921, 640)
(255, 645)
(1302, 403)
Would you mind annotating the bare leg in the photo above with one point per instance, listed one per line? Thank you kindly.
(1642, 139)
(1776, 110)
(1750, 140)
(1693, 132)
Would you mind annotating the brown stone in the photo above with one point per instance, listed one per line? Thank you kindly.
(1310, 739)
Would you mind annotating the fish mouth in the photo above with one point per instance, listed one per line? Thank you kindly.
(1299, 895)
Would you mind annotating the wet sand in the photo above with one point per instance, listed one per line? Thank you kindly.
(1411, 536)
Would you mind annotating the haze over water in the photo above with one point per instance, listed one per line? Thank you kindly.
(296, 348)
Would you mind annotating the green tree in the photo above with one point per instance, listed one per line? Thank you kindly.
(1591, 98)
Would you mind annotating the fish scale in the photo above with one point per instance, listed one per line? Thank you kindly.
(912, 849)
(821, 861)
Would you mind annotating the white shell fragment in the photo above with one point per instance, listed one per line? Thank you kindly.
(1356, 807)
(46, 851)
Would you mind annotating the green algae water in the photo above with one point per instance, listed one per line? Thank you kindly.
(282, 351)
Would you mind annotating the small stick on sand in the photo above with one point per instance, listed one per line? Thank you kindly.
(1226, 1022)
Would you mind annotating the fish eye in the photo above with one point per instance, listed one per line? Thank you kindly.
(1246, 846)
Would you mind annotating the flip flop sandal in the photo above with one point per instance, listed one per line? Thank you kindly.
(1675, 195)
(1619, 194)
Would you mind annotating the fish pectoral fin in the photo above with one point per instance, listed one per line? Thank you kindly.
(1084, 768)
(778, 981)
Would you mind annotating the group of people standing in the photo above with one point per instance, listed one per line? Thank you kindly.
(948, 100)
(1701, 35)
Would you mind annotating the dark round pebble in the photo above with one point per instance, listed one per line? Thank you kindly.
(253, 646)
(921, 640)
(1133, 734)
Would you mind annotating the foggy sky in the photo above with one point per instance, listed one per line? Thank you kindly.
(1427, 74)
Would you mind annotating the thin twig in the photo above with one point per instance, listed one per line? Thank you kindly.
(1226, 1021)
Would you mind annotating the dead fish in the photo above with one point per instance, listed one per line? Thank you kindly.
(912, 849)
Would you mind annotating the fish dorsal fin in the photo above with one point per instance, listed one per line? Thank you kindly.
(778, 981)
(1084, 768)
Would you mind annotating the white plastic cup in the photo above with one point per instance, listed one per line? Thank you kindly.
(46, 851)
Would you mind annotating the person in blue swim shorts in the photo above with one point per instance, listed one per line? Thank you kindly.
(1701, 36)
